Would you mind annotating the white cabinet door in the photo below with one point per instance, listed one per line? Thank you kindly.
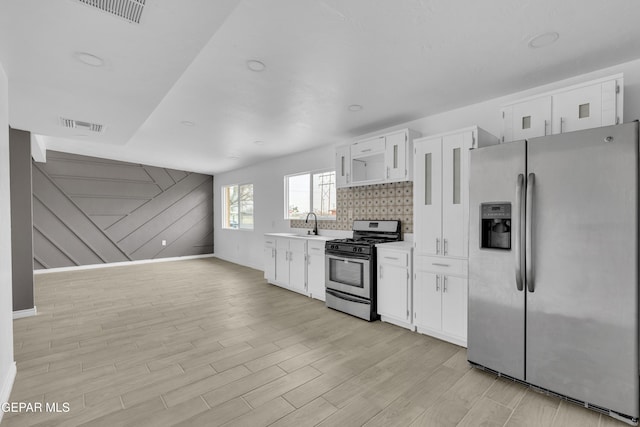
(298, 265)
(455, 188)
(427, 196)
(577, 109)
(531, 118)
(427, 300)
(315, 273)
(270, 263)
(396, 156)
(393, 292)
(282, 261)
(454, 306)
(343, 166)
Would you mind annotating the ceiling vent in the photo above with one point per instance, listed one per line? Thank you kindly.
(129, 10)
(77, 124)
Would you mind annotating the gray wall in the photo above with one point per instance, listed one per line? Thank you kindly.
(88, 210)
(21, 238)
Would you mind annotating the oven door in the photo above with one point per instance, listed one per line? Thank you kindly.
(350, 274)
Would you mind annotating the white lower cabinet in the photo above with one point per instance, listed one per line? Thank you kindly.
(295, 263)
(270, 259)
(291, 264)
(394, 296)
(440, 301)
(315, 269)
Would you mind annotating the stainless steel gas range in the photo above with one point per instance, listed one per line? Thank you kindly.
(350, 268)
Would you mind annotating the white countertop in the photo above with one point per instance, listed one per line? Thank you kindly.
(300, 236)
(402, 245)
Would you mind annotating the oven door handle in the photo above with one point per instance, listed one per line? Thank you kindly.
(348, 297)
(342, 256)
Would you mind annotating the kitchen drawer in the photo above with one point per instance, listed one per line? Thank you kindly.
(443, 265)
(397, 258)
(269, 242)
(315, 246)
(370, 146)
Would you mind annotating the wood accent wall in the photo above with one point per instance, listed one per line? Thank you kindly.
(88, 210)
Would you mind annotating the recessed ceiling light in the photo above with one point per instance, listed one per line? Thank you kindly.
(89, 59)
(258, 142)
(255, 65)
(355, 107)
(188, 123)
(543, 40)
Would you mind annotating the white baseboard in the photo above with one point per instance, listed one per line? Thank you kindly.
(118, 264)
(19, 314)
(462, 342)
(240, 262)
(7, 385)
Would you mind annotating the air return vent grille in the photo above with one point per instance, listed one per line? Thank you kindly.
(130, 10)
(77, 124)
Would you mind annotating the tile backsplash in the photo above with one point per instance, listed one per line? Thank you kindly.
(370, 202)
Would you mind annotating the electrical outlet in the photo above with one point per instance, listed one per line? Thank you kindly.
(164, 243)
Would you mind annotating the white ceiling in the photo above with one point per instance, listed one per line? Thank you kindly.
(186, 61)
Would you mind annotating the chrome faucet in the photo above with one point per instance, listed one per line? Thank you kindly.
(315, 226)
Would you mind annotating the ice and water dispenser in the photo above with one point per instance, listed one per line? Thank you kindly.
(496, 225)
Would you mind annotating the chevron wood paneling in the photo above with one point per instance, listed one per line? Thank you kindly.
(89, 211)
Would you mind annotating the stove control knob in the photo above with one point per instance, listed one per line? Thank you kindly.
(359, 249)
(355, 249)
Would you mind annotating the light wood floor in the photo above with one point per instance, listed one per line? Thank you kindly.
(208, 343)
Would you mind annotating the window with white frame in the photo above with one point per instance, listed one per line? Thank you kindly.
(310, 192)
(237, 203)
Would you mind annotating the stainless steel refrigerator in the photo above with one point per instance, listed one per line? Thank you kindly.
(553, 265)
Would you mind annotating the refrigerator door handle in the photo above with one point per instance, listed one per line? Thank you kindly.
(518, 233)
(529, 232)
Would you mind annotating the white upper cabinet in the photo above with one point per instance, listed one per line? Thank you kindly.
(587, 105)
(343, 166)
(384, 158)
(397, 157)
(367, 161)
(531, 118)
(427, 196)
(441, 187)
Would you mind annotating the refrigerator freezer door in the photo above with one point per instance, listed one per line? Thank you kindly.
(582, 316)
(496, 306)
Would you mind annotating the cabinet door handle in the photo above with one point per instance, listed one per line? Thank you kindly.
(561, 123)
(391, 257)
(381, 272)
(445, 246)
(437, 246)
(408, 314)
(437, 283)
(438, 264)
(387, 172)
(444, 284)
(545, 128)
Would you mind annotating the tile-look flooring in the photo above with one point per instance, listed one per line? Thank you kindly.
(206, 343)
